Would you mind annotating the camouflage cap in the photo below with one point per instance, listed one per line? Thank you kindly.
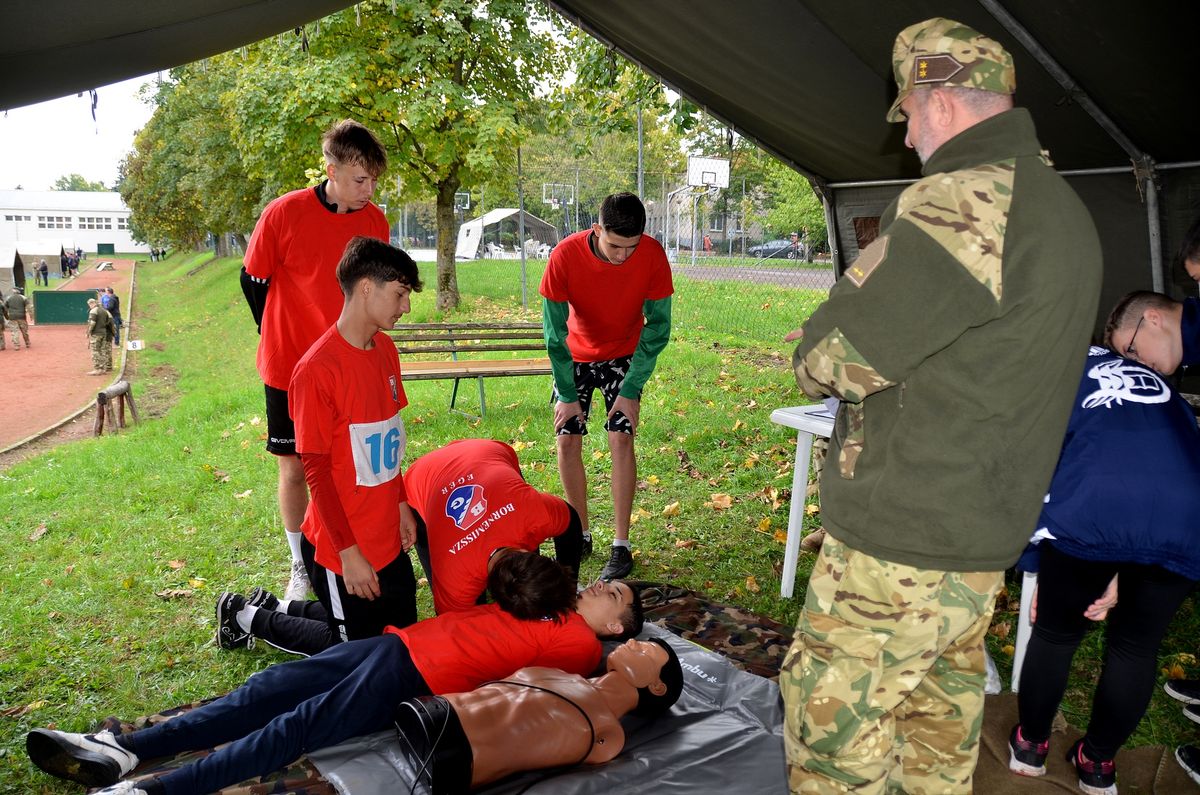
(942, 52)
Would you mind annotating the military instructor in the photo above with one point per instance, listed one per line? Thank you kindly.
(956, 341)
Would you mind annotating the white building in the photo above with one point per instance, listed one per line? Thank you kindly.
(83, 219)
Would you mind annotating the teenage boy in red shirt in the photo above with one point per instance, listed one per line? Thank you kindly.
(289, 282)
(471, 501)
(607, 316)
(345, 396)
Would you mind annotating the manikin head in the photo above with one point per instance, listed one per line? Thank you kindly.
(653, 668)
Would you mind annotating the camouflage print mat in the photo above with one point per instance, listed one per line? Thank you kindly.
(753, 643)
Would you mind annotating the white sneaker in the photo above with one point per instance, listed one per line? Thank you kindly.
(121, 788)
(94, 760)
(298, 587)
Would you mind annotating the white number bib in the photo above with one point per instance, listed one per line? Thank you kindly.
(378, 449)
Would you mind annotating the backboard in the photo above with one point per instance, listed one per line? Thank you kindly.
(708, 172)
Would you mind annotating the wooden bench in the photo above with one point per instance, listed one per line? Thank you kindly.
(458, 340)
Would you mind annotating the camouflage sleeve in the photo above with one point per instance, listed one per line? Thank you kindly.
(910, 294)
(832, 367)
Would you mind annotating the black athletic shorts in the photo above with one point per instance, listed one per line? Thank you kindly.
(608, 376)
(429, 729)
(281, 431)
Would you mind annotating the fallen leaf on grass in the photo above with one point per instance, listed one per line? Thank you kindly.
(597, 455)
(177, 564)
(652, 480)
(685, 543)
(1175, 671)
(17, 712)
(812, 508)
(69, 569)
(671, 510)
(719, 502)
(173, 593)
(519, 446)
(512, 405)
(1009, 650)
(737, 426)
(255, 421)
(781, 536)
(1000, 629)
(127, 583)
(243, 495)
(197, 582)
(764, 524)
(38, 532)
(752, 584)
(423, 582)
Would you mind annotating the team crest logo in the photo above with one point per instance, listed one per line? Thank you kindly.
(466, 505)
(1118, 381)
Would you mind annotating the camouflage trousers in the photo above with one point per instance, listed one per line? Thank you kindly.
(19, 329)
(101, 353)
(883, 684)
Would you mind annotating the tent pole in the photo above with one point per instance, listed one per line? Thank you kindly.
(1144, 168)
(1060, 74)
(1150, 184)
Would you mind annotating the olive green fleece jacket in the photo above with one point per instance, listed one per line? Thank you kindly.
(957, 340)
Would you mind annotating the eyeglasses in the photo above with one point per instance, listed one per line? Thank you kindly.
(1129, 349)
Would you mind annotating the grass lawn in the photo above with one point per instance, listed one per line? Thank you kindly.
(115, 549)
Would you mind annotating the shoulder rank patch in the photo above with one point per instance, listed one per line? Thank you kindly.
(868, 260)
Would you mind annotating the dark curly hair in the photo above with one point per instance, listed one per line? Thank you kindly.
(530, 586)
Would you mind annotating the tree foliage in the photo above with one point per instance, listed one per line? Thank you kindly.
(444, 83)
(795, 206)
(78, 182)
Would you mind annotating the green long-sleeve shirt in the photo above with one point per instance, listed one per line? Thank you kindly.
(654, 337)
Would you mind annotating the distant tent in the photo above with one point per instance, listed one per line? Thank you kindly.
(486, 230)
(49, 249)
(12, 271)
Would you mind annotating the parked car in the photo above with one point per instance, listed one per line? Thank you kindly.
(777, 249)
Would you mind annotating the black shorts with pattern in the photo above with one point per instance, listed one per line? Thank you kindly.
(607, 376)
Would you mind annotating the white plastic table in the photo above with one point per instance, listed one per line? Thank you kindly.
(809, 421)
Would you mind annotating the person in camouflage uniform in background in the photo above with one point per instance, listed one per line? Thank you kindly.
(955, 341)
(100, 333)
(17, 317)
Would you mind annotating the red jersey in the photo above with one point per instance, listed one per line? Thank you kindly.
(474, 501)
(605, 300)
(297, 244)
(345, 402)
(457, 652)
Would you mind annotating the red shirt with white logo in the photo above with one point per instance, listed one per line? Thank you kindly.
(605, 320)
(474, 501)
(297, 244)
(345, 402)
(457, 652)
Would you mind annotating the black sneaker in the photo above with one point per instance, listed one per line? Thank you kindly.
(620, 564)
(1185, 690)
(1192, 713)
(93, 760)
(586, 548)
(261, 597)
(1026, 758)
(230, 635)
(1188, 757)
(1095, 778)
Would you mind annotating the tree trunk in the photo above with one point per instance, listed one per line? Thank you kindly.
(447, 276)
(222, 245)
